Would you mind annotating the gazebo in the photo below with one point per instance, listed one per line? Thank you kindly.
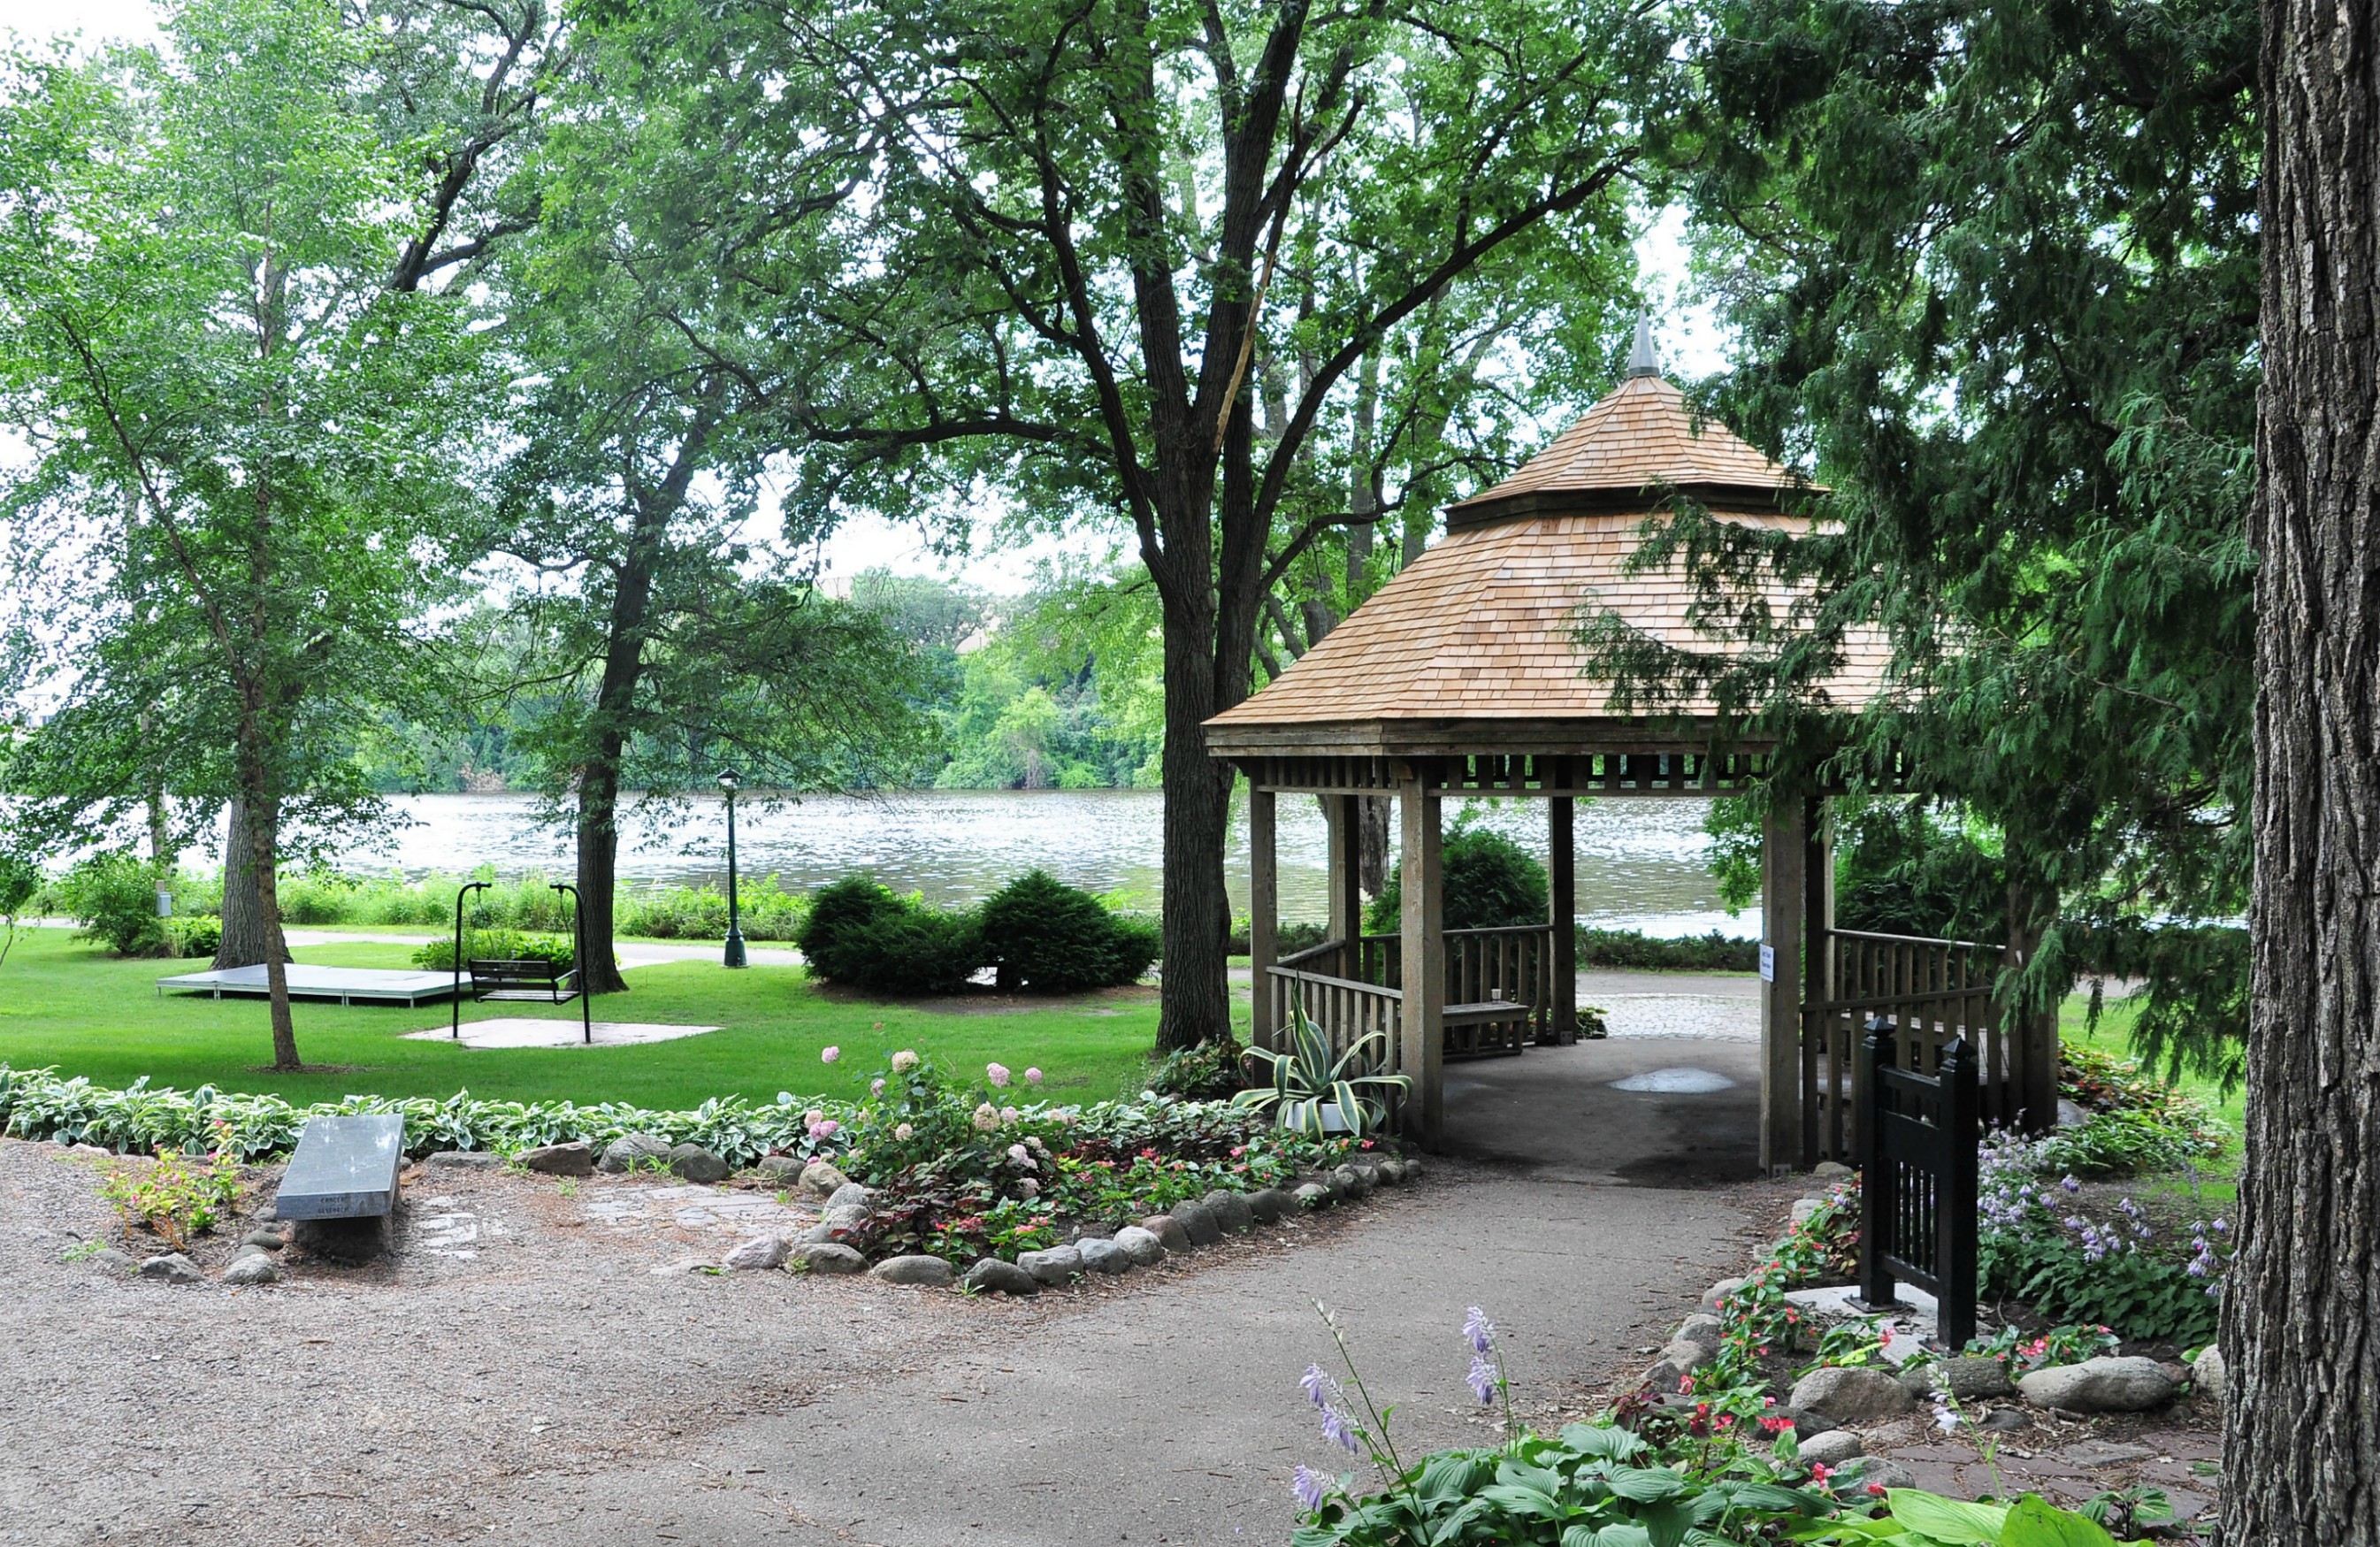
(1462, 676)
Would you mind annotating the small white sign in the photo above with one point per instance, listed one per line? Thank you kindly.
(1769, 964)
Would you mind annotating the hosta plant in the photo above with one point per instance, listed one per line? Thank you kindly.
(1309, 1090)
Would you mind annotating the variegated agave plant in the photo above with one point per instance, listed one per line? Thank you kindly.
(1305, 1080)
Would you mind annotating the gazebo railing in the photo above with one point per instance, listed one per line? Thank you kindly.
(1514, 963)
(1934, 993)
(1344, 1009)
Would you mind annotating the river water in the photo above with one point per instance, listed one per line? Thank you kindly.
(1641, 863)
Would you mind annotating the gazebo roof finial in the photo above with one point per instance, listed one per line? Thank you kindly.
(1642, 360)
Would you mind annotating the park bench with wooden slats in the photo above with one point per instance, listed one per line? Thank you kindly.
(527, 979)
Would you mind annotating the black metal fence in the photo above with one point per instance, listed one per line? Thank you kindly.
(1919, 1140)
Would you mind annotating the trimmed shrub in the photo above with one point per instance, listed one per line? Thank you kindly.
(1041, 934)
(195, 937)
(1491, 882)
(1694, 953)
(113, 897)
(862, 934)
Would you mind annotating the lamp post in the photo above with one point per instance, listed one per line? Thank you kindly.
(728, 780)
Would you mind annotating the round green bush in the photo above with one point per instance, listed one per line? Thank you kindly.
(860, 934)
(1491, 882)
(1041, 934)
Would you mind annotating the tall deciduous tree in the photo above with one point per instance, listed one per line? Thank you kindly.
(247, 441)
(667, 644)
(1090, 225)
(2302, 1425)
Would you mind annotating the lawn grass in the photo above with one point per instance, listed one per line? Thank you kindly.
(70, 1003)
(2214, 1185)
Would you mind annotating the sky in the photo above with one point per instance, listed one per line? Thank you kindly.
(1689, 337)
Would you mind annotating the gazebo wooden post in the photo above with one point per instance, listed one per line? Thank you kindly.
(1818, 954)
(1784, 842)
(1422, 882)
(1264, 915)
(1339, 819)
(1563, 873)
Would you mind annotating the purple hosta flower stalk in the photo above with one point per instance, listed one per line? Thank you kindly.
(1478, 1331)
(1482, 1377)
(1318, 1388)
(1310, 1486)
(1339, 1428)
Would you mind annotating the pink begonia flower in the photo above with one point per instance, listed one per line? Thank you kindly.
(903, 1061)
(1032, 1076)
(829, 1054)
(903, 1131)
(996, 1073)
(876, 1086)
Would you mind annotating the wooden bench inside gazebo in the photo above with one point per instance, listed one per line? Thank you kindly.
(1462, 676)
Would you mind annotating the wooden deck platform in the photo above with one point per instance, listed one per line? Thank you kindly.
(345, 984)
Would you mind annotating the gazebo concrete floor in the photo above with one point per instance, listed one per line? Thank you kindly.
(1552, 1112)
(533, 1031)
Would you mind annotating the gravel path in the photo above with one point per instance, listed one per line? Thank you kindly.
(535, 1365)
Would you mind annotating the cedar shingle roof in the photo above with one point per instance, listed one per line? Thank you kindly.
(1479, 628)
(1641, 438)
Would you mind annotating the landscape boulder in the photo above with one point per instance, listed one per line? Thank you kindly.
(1850, 1394)
(1357, 1183)
(1703, 1328)
(2107, 1384)
(1199, 1221)
(1719, 1291)
(784, 1171)
(1102, 1256)
(1056, 1267)
(256, 1267)
(632, 1149)
(1231, 1210)
(1167, 1230)
(692, 1163)
(844, 1216)
(755, 1255)
(573, 1159)
(820, 1180)
(1270, 1205)
(990, 1275)
(829, 1257)
(2207, 1372)
(1393, 1172)
(1142, 1246)
(107, 1259)
(269, 1240)
(172, 1267)
(851, 1195)
(1971, 1377)
(1313, 1195)
(464, 1159)
(916, 1270)
(1833, 1448)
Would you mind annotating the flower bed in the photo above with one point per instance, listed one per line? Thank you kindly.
(960, 1171)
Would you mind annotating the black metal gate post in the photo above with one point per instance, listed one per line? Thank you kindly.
(1918, 1180)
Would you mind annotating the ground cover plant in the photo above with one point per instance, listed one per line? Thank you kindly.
(71, 1004)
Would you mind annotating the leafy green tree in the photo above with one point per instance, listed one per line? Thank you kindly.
(665, 643)
(1995, 270)
(1077, 226)
(253, 436)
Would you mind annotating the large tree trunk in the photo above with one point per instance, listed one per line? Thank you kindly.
(264, 850)
(598, 854)
(2301, 1319)
(243, 907)
(1194, 1000)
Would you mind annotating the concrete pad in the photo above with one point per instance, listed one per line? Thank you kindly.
(1563, 1114)
(527, 1031)
(1679, 1082)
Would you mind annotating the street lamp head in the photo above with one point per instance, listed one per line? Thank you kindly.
(729, 779)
